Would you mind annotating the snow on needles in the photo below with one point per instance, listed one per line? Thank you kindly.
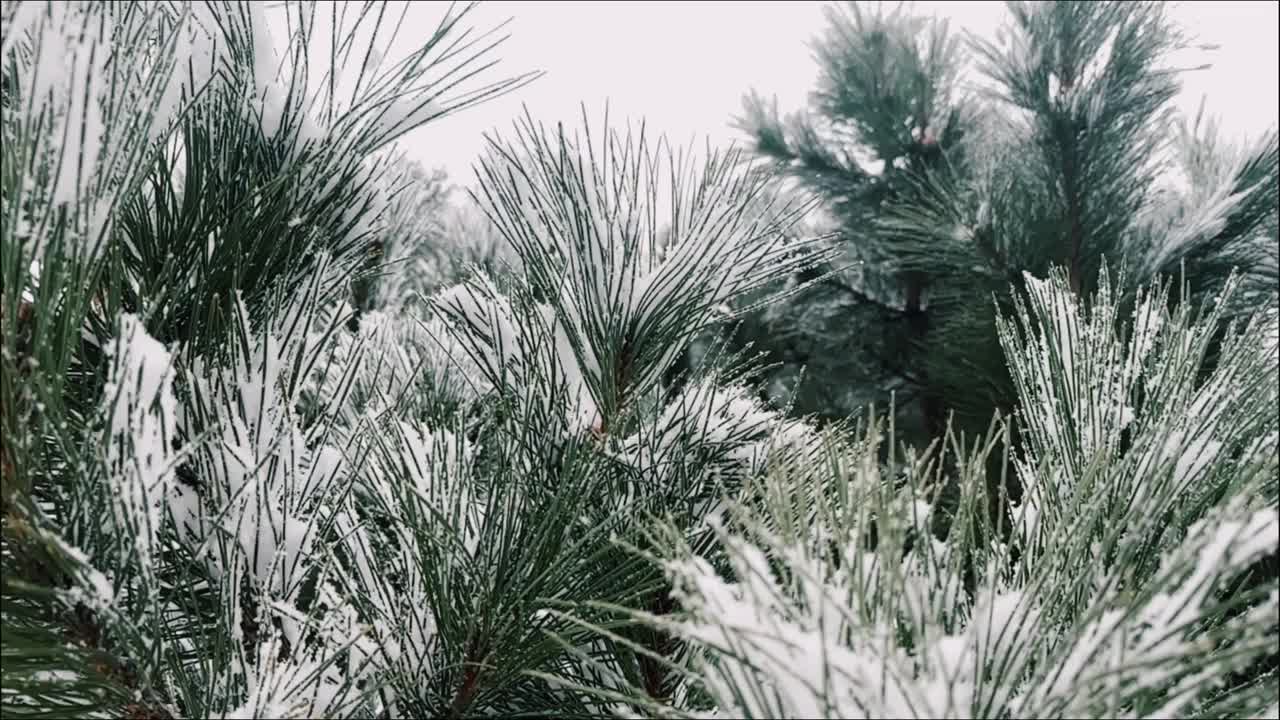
(799, 636)
(266, 487)
(96, 97)
(272, 91)
(71, 55)
(800, 649)
(141, 424)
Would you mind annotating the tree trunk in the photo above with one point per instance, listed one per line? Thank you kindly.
(932, 409)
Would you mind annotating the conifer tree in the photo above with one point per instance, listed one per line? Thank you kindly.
(1063, 150)
(433, 236)
(414, 232)
(220, 502)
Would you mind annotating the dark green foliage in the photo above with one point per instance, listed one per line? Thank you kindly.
(1062, 156)
(883, 116)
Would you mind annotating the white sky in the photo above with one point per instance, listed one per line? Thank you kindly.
(684, 66)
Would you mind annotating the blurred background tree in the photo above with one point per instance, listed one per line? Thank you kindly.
(434, 234)
(885, 111)
(950, 167)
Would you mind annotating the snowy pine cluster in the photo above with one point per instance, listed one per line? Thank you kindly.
(229, 492)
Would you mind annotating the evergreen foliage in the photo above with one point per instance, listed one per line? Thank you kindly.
(236, 484)
(1150, 495)
(953, 167)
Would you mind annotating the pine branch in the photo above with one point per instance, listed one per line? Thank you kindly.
(470, 684)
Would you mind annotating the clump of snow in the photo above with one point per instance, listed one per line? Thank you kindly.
(93, 587)
(436, 463)
(797, 652)
(141, 427)
(272, 91)
(263, 496)
(521, 347)
(67, 76)
(293, 687)
(484, 317)
(710, 415)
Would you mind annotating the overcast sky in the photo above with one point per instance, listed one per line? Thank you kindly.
(684, 66)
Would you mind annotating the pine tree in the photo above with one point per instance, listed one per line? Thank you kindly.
(1063, 152)
(413, 233)
(432, 238)
(220, 501)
